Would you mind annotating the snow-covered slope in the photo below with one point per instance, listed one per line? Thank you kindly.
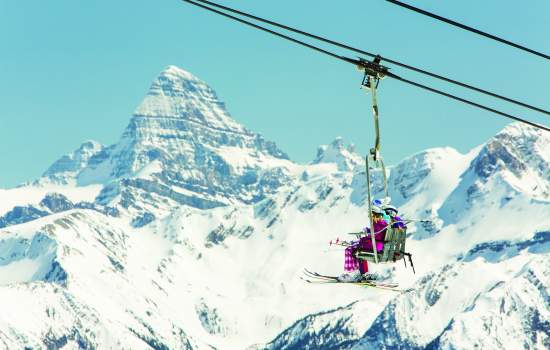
(192, 232)
(483, 275)
(479, 302)
(69, 281)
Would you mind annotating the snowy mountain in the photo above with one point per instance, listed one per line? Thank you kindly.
(345, 157)
(181, 147)
(514, 162)
(67, 168)
(191, 232)
(485, 270)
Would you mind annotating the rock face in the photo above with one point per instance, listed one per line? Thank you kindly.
(66, 169)
(19, 215)
(519, 151)
(53, 203)
(513, 162)
(56, 203)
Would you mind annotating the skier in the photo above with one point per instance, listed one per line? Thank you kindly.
(356, 269)
(383, 203)
(396, 221)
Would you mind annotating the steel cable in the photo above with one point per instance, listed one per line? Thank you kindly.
(468, 28)
(359, 63)
(397, 63)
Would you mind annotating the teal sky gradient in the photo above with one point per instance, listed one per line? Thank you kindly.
(71, 71)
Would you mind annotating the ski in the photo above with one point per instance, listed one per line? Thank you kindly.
(334, 278)
(317, 275)
(314, 277)
(363, 284)
(317, 281)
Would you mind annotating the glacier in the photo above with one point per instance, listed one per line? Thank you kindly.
(191, 232)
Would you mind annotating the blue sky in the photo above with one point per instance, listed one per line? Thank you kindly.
(73, 71)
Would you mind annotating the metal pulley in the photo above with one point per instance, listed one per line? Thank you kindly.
(372, 69)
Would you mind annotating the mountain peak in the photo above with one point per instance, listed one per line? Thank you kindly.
(182, 144)
(517, 129)
(66, 167)
(178, 73)
(176, 93)
(175, 81)
(515, 162)
(336, 152)
(519, 149)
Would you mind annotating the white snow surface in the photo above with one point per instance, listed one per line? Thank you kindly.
(228, 276)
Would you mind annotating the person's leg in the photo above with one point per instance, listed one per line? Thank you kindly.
(364, 266)
(348, 260)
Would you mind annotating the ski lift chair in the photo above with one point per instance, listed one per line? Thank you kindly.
(394, 248)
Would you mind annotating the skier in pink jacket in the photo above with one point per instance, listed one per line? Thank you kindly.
(356, 269)
(380, 226)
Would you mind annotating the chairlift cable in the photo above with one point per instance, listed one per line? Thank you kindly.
(468, 28)
(272, 32)
(388, 60)
(361, 63)
(471, 103)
